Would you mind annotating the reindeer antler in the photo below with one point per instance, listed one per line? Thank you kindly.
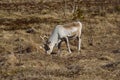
(43, 38)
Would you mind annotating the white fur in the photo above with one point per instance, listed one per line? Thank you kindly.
(60, 32)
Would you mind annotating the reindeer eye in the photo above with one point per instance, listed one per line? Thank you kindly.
(48, 42)
(47, 47)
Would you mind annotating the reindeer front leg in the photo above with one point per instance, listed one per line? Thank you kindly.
(59, 47)
(68, 45)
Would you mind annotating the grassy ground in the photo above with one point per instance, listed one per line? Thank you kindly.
(23, 58)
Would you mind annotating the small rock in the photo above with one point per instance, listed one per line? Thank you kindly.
(31, 30)
(116, 51)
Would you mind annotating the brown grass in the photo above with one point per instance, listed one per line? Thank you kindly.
(21, 53)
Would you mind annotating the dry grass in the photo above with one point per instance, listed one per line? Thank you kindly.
(22, 56)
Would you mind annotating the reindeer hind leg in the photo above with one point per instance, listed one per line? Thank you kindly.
(68, 45)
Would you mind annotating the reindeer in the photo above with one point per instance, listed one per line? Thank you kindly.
(64, 33)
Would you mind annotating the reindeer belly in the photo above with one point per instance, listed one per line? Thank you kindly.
(63, 32)
(72, 32)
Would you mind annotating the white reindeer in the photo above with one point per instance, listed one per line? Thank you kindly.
(64, 33)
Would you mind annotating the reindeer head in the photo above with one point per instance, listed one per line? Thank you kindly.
(47, 46)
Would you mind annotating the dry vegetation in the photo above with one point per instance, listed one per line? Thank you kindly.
(23, 58)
